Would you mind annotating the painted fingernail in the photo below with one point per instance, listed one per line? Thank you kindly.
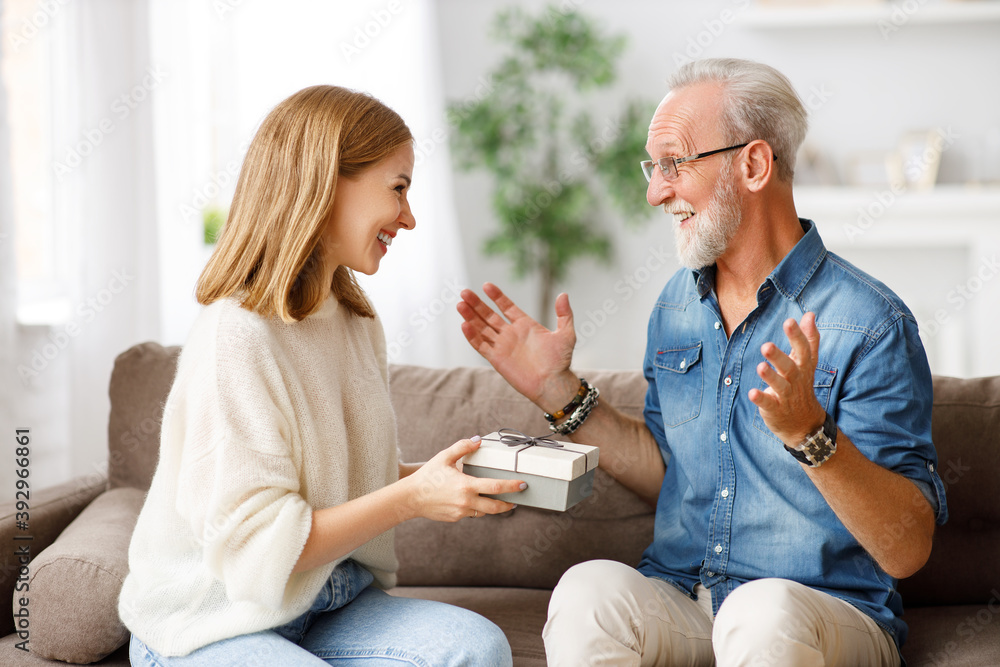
(523, 486)
(475, 438)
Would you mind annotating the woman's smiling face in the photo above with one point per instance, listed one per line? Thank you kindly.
(368, 211)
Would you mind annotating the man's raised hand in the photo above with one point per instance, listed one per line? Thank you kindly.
(534, 360)
(788, 405)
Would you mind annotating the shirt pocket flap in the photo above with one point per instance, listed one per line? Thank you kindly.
(679, 360)
(824, 376)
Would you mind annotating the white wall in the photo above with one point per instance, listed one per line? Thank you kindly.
(864, 90)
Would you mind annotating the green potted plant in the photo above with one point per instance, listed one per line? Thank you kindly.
(534, 133)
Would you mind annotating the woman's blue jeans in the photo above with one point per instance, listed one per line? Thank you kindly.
(351, 623)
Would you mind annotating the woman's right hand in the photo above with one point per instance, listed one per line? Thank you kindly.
(439, 490)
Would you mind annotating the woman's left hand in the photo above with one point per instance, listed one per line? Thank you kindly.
(439, 490)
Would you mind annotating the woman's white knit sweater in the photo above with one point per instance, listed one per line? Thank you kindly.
(265, 421)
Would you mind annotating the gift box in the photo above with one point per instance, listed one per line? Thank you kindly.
(559, 474)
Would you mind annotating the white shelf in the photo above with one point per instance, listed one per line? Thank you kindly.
(897, 13)
(940, 203)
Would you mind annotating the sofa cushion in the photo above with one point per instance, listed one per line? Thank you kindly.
(75, 582)
(140, 382)
(966, 424)
(525, 547)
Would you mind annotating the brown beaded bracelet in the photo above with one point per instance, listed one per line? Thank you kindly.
(572, 405)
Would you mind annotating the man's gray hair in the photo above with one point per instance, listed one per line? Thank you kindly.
(760, 103)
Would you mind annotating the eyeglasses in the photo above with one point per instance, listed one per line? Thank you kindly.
(668, 165)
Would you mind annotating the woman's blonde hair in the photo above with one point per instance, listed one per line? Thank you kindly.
(270, 253)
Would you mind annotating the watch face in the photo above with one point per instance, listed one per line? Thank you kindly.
(819, 450)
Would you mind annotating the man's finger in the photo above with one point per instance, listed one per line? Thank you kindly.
(474, 335)
(482, 311)
(811, 332)
(503, 302)
(762, 400)
(773, 380)
(781, 361)
(800, 344)
(564, 313)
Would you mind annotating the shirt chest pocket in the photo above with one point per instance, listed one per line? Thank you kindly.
(680, 384)
(822, 386)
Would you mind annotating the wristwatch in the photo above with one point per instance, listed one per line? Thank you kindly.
(818, 446)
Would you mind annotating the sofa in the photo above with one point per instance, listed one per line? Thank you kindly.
(502, 566)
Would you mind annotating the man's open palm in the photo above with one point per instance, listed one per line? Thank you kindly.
(524, 352)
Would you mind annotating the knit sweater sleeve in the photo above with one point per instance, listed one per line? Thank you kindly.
(239, 476)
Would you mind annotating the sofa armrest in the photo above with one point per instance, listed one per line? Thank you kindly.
(51, 510)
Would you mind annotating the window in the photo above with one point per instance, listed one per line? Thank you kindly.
(31, 45)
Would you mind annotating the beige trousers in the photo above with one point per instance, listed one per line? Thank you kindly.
(605, 613)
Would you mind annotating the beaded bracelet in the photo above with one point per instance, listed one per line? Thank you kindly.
(572, 405)
(579, 415)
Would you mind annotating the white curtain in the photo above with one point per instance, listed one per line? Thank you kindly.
(103, 203)
(11, 390)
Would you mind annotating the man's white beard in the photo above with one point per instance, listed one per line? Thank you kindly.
(704, 242)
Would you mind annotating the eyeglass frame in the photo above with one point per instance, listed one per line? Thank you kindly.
(680, 160)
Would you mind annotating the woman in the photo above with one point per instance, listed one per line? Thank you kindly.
(278, 483)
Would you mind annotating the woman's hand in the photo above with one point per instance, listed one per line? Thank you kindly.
(439, 490)
(534, 360)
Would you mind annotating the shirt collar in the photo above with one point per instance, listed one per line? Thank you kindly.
(799, 265)
(792, 272)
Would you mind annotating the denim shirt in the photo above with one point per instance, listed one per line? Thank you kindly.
(734, 505)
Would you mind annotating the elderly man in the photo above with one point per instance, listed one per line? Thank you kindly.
(786, 440)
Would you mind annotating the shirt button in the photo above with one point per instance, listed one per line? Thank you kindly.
(718, 548)
(683, 364)
(722, 437)
(710, 574)
(725, 493)
(718, 325)
(728, 381)
(931, 467)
